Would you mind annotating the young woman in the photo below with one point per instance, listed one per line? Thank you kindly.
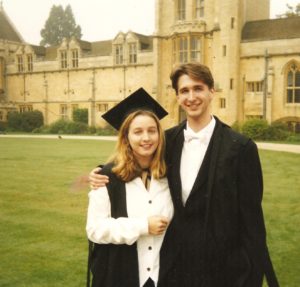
(128, 217)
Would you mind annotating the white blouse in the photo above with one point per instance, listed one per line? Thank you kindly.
(103, 229)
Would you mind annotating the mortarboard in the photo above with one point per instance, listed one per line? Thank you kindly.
(138, 100)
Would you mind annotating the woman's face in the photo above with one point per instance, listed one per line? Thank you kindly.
(143, 137)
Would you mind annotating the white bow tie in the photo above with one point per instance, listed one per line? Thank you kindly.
(189, 136)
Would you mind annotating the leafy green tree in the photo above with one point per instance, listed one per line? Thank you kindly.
(60, 24)
(291, 11)
(81, 116)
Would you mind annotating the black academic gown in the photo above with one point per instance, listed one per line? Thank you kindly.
(218, 239)
(115, 265)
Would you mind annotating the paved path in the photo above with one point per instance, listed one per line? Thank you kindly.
(261, 145)
(72, 137)
(279, 147)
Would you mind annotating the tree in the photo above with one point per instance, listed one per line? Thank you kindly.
(291, 12)
(81, 116)
(60, 24)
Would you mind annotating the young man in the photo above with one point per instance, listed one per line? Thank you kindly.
(217, 237)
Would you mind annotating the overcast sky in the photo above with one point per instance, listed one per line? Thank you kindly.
(99, 19)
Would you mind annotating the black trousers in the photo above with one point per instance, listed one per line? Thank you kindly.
(149, 283)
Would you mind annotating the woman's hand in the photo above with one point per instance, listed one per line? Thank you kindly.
(97, 180)
(157, 224)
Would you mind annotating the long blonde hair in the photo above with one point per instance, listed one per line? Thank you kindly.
(126, 166)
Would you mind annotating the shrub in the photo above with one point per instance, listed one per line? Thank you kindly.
(41, 130)
(14, 120)
(277, 131)
(76, 128)
(106, 131)
(31, 120)
(255, 129)
(57, 127)
(293, 138)
(92, 130)
(260, 130)
(67, 127)
(26, 122)
(81, 116)
(3, 126)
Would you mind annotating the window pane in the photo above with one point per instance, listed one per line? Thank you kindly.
(183, 54)
(199, 6)
(183, 44)
(20, 63)
(181, 9)
(29, 63)
(289, 96)
(201, 12)
(195, 46)
(63, 59)
(75, 58)
(196, 43)
(195, 56)
(297, 80)
(297, 95)
(119, 54)
(290, 79)
(132, 53)
(174, 51)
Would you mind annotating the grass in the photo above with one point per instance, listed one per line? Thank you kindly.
(282, 213)
(42, 233)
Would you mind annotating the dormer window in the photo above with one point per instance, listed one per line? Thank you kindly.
(75, 58)
(29, 63)
(132, 53)
(63, 59)
(118, 54)
(20, 63)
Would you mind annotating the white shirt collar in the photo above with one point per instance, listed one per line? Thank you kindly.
(208, 129)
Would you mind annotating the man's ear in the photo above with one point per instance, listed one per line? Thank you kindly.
(212, 93)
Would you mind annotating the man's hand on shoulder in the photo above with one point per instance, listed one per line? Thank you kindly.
(96, 179)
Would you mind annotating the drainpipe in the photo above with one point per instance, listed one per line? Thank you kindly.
(265, 94)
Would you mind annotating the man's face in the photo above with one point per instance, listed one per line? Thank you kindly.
(194, 97)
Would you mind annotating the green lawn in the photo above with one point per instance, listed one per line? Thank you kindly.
(42, 233)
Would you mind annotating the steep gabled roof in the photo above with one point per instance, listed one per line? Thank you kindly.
(272, 29)
(84, 45)
(102, 48)
(51, 53)
(146, 41)
(7, 29)
(39, 50)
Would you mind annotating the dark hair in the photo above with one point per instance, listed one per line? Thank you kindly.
(194, 70)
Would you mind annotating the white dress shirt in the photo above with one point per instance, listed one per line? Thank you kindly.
(192, 156)
(103, 229)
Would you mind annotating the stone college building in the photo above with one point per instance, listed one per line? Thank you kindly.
(255, 62)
